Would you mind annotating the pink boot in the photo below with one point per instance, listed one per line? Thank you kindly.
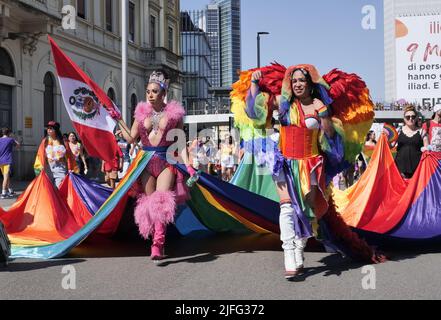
(157, 252)
(162, 208)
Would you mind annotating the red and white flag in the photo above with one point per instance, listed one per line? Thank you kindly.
(90, 109)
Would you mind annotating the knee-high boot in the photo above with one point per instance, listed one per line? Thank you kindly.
(300, 245)
(158, 241)
(162, 212)
(287, 236)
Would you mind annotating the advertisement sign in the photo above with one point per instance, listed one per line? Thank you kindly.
(418, 59)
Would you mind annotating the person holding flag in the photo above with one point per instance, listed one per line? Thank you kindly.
(163, 186)
(94, 117)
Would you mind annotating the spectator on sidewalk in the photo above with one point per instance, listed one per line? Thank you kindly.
(409, 144)
(6, 146)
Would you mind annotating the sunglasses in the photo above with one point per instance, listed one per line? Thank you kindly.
(410, 117)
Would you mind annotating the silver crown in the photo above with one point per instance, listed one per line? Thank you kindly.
(159, 78)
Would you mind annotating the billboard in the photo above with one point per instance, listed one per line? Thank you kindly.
(418, 59)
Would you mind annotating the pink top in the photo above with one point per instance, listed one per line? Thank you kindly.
(174, 113)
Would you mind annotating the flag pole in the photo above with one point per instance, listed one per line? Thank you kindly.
(124, 58)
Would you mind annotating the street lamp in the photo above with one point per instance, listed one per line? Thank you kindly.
(258, 46)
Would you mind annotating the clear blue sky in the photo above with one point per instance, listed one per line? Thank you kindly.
(326, 33)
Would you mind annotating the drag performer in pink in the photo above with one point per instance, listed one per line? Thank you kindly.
(163, 186)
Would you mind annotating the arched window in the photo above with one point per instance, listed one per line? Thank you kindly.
(111, 94)
(6, 69)
(49, 98)
(133, 103)
(6, 66)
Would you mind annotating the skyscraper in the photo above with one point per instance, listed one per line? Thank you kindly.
(196, 64)
(224, 32)
(213, 32)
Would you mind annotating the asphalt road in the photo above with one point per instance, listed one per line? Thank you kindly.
(221, 267)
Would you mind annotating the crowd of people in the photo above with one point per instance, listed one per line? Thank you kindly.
(217, 159)
(401, 106)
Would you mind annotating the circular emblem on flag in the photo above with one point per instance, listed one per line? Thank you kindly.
(85, 104)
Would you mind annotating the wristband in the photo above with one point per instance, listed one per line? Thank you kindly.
(255, 81)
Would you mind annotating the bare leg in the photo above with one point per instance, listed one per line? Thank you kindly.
(229, 174)
(6, 182)
(166, 181)
(148, 183)
(224, 175)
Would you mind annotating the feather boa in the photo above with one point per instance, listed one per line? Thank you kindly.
(174, 110)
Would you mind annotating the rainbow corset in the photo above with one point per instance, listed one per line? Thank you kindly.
(299, 142)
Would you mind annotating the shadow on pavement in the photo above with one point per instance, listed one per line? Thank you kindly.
(191, 247)
(333, 265)
(200, 248)
(21, 266)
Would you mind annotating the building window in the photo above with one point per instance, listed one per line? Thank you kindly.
(81, 8)
(111, 94)
(6, 66)
(153, 31)
(170, 38)
(131, 22)
(109, 22)
(5, 106)
(49, 101)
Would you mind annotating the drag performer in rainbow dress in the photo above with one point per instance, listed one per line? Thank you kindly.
(323, 126)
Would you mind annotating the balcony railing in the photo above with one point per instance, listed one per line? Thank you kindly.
(161, 56)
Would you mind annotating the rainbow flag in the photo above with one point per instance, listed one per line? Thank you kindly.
(383, 204)
(41, 224)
